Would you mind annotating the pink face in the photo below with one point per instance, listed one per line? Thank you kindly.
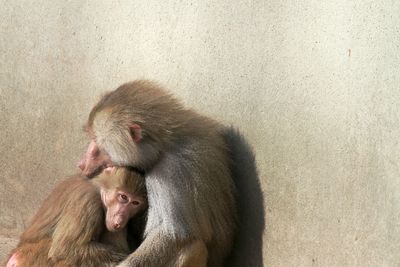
(120, 207)
(13, 261)
(94, 160)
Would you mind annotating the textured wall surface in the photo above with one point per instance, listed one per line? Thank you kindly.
(312, 85)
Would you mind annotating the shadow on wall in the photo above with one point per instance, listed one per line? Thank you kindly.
(247, 249)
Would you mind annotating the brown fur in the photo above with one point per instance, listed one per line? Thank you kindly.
(185, 157)
(68, 229)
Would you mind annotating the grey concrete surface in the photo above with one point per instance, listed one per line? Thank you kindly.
(312, 85)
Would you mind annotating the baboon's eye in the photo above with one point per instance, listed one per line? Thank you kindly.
(123, 198)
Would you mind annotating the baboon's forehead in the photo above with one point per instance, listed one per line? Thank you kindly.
(100, 119)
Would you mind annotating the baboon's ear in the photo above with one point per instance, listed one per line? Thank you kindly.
(136, 132)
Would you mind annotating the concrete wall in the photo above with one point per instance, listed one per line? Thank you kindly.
(312, 85)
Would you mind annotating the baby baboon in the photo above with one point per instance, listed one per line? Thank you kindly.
(83, 222)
